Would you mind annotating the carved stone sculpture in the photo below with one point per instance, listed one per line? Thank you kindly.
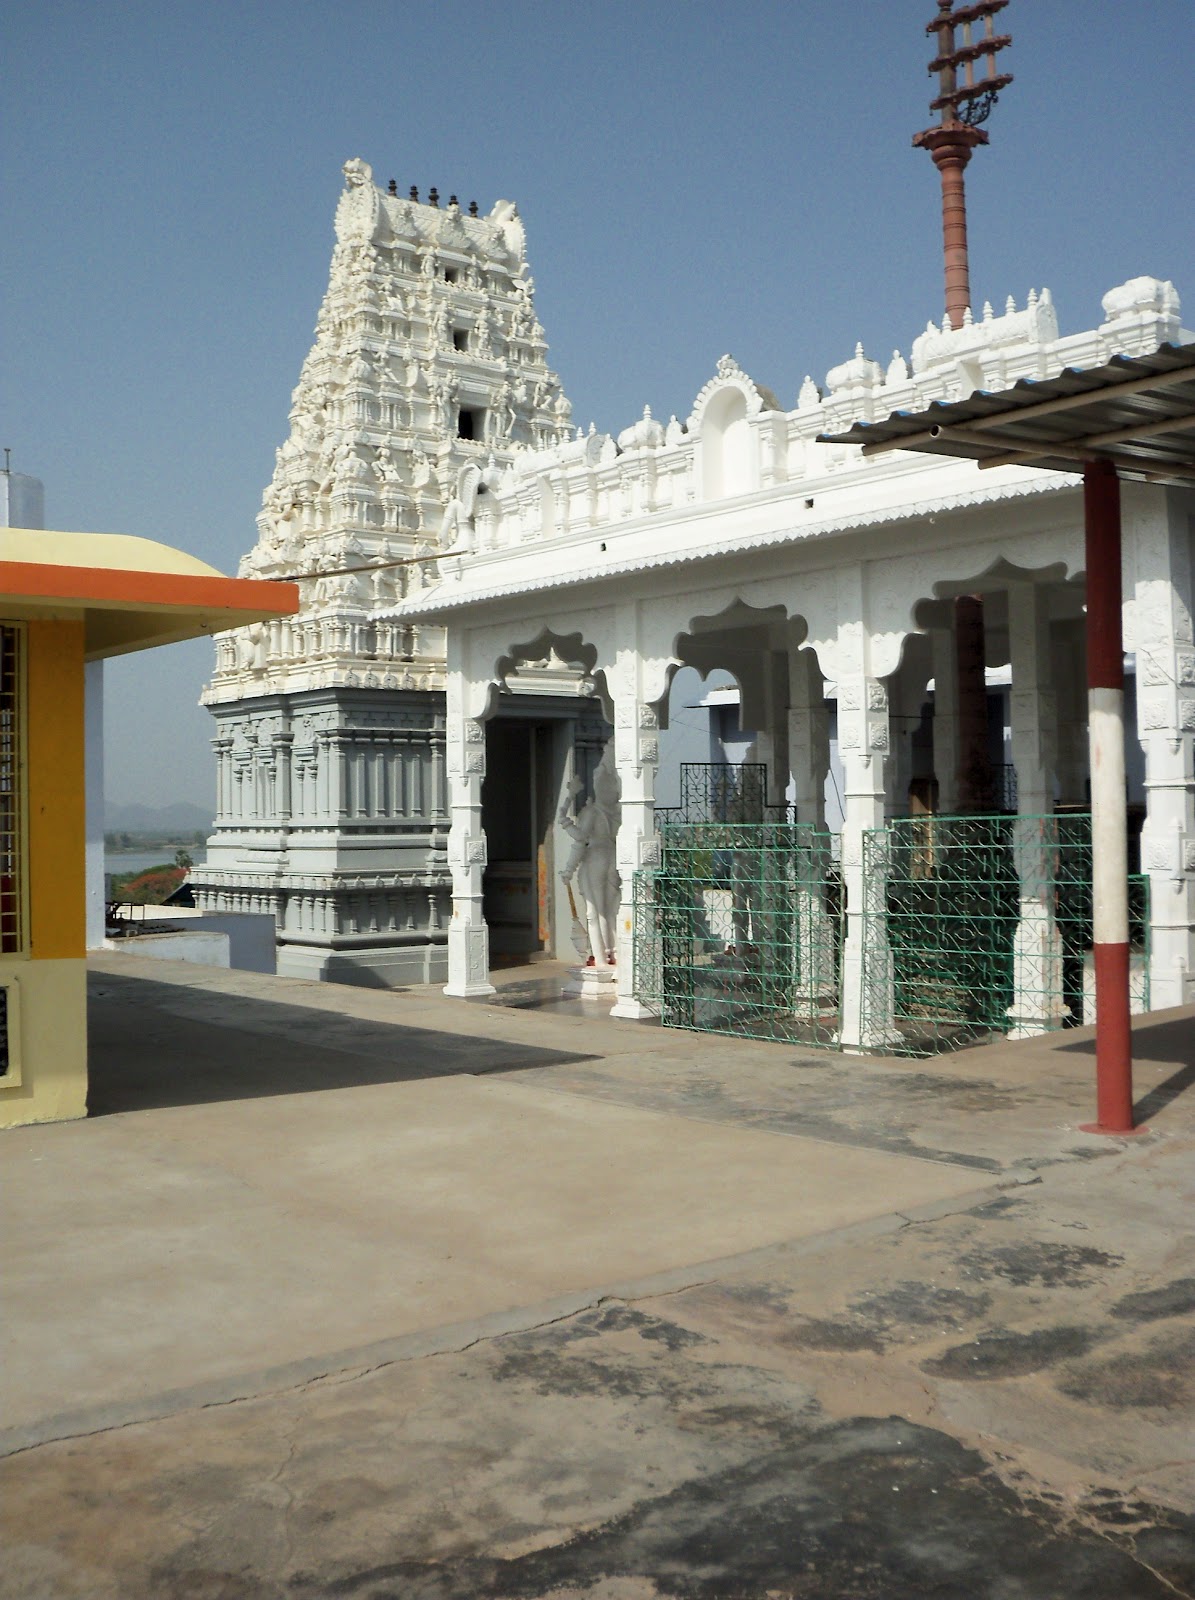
(457, 530)
(591, 862)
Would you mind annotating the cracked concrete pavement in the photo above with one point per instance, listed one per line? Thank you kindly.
(940, 1342)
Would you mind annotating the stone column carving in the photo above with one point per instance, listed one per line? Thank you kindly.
(437, 799)
(222, 745)
(1161, 542)
(867, 995)
(468, 935)
(863, 742)
(302, 765)
(1037, 945)
(636, 757)
(242, 773)
(265, 787)
(808, 737)
(324, 799)
(809, 761)
(338, 776)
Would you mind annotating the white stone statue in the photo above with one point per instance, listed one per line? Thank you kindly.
(360, 204)
(349, 467)
(457, 529)
(440, 396)
(594, 832)
(438, 331)
(489, 333)
(251, 647)
(385, 467)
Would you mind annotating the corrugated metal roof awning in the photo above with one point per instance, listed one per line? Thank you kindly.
(1138, 412)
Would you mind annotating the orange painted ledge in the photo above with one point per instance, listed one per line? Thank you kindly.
(113, 586)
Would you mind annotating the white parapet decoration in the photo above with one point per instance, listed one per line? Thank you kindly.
(739, 441)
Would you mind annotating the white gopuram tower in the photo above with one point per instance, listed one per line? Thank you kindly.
(428, 373)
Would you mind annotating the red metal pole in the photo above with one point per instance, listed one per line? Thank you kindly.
(951, 145)
(1109, 837)
(950, 158)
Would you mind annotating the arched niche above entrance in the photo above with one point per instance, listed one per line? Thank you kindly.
(565, 662)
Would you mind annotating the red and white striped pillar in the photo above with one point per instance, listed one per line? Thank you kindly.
(1109, 833)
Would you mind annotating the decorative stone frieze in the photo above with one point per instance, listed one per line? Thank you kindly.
(559, 489)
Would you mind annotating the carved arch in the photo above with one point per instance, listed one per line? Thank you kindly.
(729, 377)
(495, 650)
(727, 449)
(895, 596)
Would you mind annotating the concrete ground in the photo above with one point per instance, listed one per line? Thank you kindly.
(369, 1294)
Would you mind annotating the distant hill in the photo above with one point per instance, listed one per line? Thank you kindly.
(181, 817)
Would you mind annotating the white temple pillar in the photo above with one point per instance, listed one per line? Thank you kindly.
(809, 761)
(468, 935)
(946, 737)
(1037, 944)
(1161, 542)
(863, 740)
(636, 756)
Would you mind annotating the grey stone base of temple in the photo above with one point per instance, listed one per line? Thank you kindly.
(369, 968)
(333, 818)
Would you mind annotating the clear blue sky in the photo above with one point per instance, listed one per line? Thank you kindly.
(695, 178)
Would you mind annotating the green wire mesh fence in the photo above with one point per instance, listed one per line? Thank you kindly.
(973, 926)
(737, 930)
(981, 925)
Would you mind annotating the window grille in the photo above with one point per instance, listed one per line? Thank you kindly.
(11, 873)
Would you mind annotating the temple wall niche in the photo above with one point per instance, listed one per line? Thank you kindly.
(726, 447)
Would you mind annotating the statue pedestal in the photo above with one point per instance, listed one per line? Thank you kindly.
(592, 983)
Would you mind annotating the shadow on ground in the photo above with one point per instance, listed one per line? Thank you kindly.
(154, 1044)
(1171, 1040)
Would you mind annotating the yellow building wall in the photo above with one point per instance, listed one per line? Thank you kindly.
(51, 975)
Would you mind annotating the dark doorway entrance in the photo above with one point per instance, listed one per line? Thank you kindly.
(521, 795)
